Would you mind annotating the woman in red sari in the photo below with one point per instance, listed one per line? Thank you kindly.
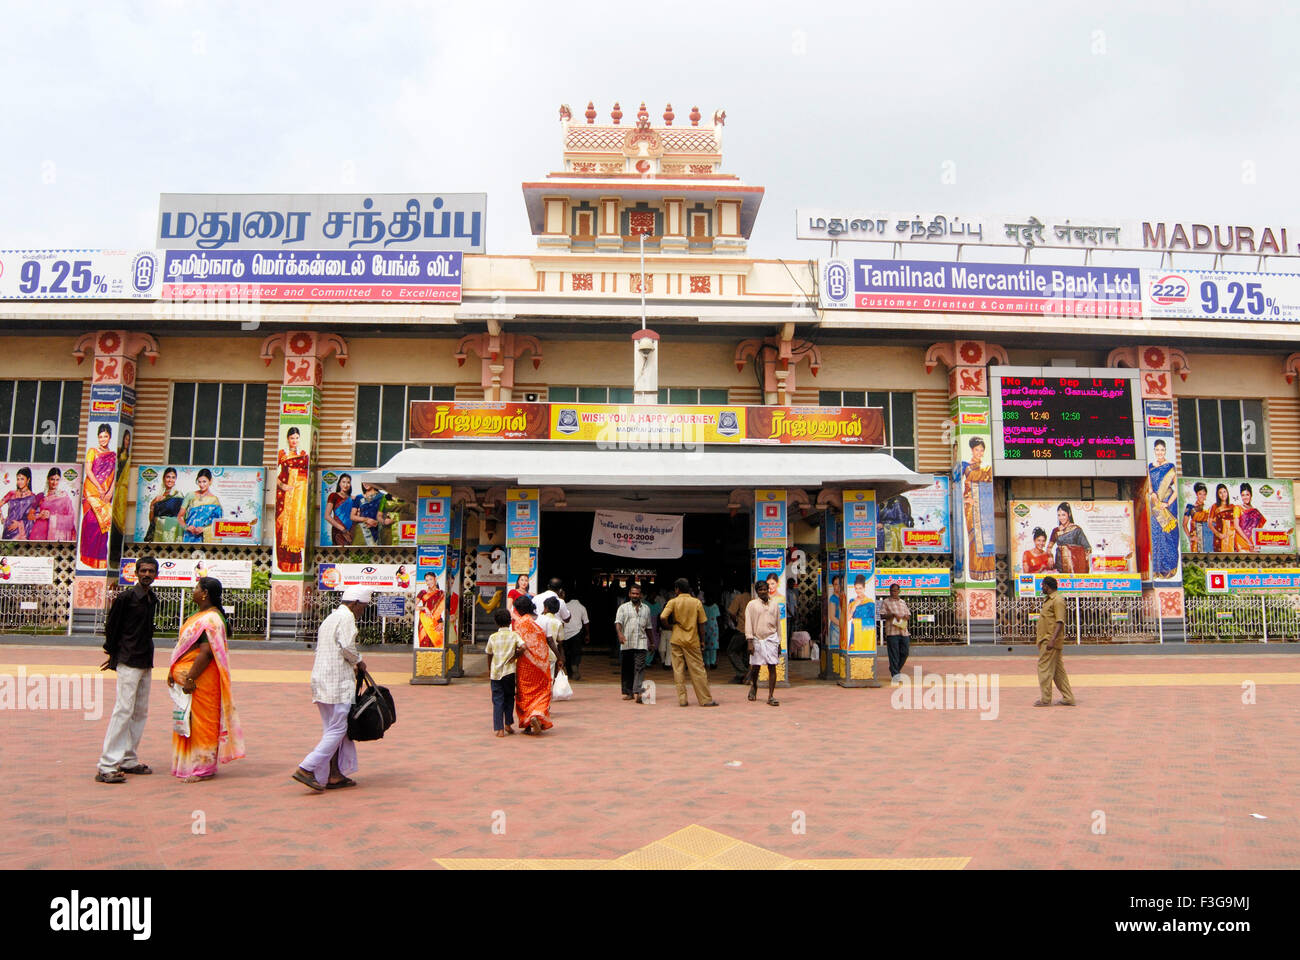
(533, 673)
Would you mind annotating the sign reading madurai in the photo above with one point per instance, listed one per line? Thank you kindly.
(1105, 233)
(648, 425)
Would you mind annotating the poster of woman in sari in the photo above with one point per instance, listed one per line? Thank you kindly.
(429, 609)
(1162, 504)
(1071, 543)
(1037, 559)
(1223, 522)
(54, 512)
(834, 606)
(1196, 521)
(165, 512)
(97, 499)
(291, 486)
(200, 510)
(122, 483)
(373, 514)
(17, 505)
(976, 480)
(338, 512)
(1250, 519)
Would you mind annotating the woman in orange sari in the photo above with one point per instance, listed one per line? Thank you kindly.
(533, 673)
(201, 665)
(291, 504)
(1224, 517)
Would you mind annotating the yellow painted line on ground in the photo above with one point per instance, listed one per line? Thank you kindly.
(1077, 678)
(699, 848)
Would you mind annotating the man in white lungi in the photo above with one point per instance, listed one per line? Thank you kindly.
(334, 690)
(763, 637)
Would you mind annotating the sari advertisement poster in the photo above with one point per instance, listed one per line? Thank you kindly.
(1088, 545)
(39, 501)
(353, 514)
(296, 443)
(769, 518)
(1160, 556)
(379, 577)
(974, 533)
(178, 572)
(26, 571)
(769, 565)
(834, 597)
(107, 422)
(860, 596)
(431, 597)
(216, 505)
(1237, 515)
(915, 521)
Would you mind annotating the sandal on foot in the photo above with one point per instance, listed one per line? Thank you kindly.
(340, 784)
(773, 703)
(307, 780)
(140, 768)
(114, 777)
(752, 697)
(1040, 703)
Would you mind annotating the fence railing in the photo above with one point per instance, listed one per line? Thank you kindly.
(1115, 619)
(1243, 617)
(245, 610)
(934, 621)
(371, 629)
(34, 608)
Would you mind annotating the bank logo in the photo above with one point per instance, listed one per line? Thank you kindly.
(728, 423)
(143, 272)
(837, 281)
(1170, 290)
(567, 422)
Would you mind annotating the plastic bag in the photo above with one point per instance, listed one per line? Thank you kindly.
(561, 689)
(181, 703)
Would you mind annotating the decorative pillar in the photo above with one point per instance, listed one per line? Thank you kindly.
(523, 537)
(1159, 537)
(771, 538)
(433, 636)
(833, 598)
(498, 352)
(780, 358)
(974, 535)
(109, 422)
(645, 367)
(299, 419)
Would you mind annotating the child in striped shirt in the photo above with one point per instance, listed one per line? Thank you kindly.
(503, 649)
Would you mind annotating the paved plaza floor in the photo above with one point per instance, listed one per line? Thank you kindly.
(1161, 765)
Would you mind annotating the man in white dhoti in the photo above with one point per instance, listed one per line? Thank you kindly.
(763, 637)
(334, 690)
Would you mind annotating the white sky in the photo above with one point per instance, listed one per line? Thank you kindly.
(1171, 110)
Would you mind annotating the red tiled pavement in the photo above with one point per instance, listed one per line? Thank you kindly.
(1177, 771)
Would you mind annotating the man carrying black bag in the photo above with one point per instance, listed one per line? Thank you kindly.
(333, 690)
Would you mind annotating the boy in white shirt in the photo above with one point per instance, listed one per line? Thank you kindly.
(503, 649)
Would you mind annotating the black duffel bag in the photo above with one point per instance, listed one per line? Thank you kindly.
(373, 712)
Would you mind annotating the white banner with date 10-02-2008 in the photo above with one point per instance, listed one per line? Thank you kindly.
(650, 536)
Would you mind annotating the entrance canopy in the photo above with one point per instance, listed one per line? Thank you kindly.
(586, 465)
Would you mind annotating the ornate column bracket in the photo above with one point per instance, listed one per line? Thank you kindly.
(830, 498)
(493, 498)
(780, 356)
(465, 497)
(740, 499)
(304, 353)
(967, 362)
(115, 353)
(1291, 368)
(498, 352)
(796, 496)
(1156, 366)
(552, 497)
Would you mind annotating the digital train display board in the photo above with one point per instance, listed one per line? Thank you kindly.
(1067, 422)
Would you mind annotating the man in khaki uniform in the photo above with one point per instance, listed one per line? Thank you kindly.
(686, 614)
(1051, 648)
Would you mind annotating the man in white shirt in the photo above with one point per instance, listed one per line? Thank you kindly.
(577, 633)
(333, 690)
(555, 588)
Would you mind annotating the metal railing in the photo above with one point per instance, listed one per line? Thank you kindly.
(371, 629)
(934, 621)
(34, 608)
(245, 610)
(1115, 619)
(1236, 617)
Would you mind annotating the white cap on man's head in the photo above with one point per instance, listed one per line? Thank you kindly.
(356, 595)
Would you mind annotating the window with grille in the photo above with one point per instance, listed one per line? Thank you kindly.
(1222, 438)
(899, 408)
(217, 424)
(39, 420)
(383, 415)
